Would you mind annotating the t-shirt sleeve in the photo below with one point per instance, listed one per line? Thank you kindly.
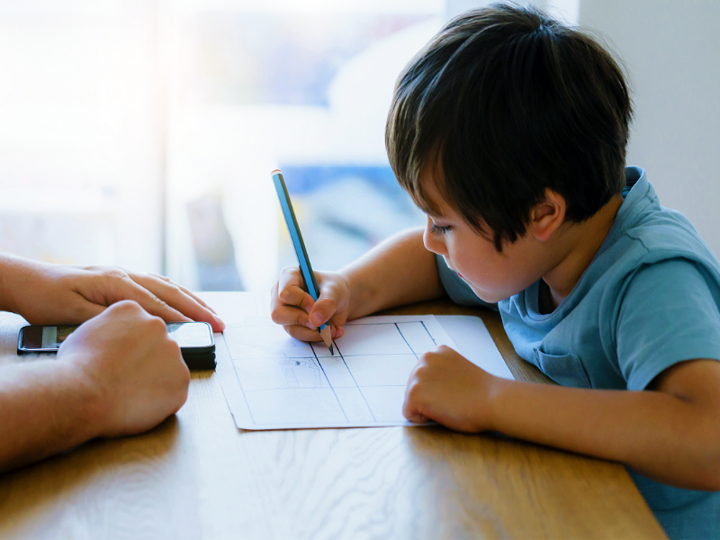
(458, 291)
(669, 314)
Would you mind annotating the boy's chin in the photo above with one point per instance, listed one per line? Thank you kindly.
(488, 297)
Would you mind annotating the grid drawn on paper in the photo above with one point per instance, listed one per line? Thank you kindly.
(307, 373)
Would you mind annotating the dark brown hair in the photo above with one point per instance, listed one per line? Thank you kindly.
(505, 102)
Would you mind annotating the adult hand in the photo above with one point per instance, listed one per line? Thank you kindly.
(449, 389)
(301, 316)
(133, 370)
(62, 294)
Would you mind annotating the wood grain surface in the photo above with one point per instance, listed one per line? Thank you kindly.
(197, 476)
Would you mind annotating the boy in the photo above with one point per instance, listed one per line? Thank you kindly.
(118, 374)
(509, 131)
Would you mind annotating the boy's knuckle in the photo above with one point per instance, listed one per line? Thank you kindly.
(421, 370)
(285, 296)
(414, 393)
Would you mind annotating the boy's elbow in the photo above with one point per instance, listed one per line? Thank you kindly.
(710, 482)
(709, 475)
(713, 478)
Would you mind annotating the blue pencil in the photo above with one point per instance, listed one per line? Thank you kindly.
(302, 256)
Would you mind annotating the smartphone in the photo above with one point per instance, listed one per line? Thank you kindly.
(194, 338)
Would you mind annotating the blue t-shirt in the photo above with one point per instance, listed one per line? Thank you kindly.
(649, 299)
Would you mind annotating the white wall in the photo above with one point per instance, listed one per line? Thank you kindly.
(671, 49)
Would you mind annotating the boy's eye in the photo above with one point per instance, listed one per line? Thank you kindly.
(437, 229)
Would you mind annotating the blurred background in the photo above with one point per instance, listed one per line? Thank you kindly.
(142, 133)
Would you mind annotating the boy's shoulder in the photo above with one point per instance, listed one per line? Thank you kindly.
(649, 299)
(646, 233)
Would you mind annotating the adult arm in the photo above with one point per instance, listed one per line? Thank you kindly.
(118, 374)
(62, 294)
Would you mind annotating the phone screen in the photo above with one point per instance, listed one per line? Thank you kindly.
(191, 335)
(188, 335)
(45, 338)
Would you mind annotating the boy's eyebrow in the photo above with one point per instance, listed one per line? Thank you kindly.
(429, 208)
(434, 214)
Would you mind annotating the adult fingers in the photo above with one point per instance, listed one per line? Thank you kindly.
(80, 311)
(185, 290)
(128, 289)
(177, 299)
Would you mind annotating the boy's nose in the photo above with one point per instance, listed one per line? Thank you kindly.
(432, 243)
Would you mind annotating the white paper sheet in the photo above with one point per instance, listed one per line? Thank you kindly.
(272, 381)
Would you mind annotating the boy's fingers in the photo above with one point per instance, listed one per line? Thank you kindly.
(296, 297)
(289, 315)
(290, 276)
(302, 333)
(323, 309)
(412, 413)
(337, 331)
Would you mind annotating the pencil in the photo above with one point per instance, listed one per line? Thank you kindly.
(300, 251)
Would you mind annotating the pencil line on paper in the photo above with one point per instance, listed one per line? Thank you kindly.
(428, 333)
(232, 361)
(358, 386)
(406, 341)
(331, 387)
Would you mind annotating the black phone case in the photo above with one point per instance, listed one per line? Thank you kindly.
(195, 361)
(200, 362)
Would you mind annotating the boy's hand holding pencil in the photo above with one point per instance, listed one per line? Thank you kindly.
(301, 316)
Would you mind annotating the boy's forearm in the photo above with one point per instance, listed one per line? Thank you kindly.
(655, 433)
(399, 271)
(45, 407)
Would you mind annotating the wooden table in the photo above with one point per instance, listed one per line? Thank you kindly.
(196, 475)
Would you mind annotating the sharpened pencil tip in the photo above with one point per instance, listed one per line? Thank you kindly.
(332, 351)
(326, 334)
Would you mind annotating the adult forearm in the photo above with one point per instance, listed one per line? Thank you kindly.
(399, 271)
(10, 268)
(655, 433)
(45, 408)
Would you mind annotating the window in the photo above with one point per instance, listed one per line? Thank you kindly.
(261, 86)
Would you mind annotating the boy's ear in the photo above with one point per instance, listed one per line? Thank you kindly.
(547, 216)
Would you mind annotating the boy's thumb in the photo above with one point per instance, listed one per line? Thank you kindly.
(323, 309)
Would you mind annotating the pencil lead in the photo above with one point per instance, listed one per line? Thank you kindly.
(331, 350)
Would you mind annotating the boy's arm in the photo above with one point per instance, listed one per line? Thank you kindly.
(397, 272)
(670, 433)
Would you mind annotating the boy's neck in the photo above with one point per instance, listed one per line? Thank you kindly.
(580, 243)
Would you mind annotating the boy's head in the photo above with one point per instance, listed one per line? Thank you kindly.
(502, 105)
